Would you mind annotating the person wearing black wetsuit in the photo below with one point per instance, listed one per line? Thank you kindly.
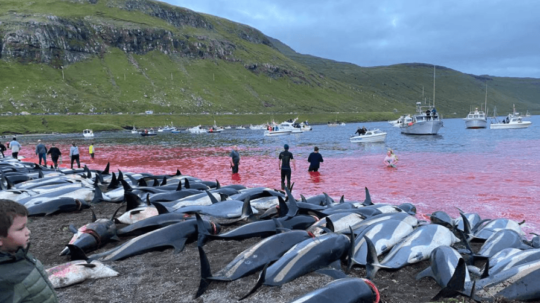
(314, 160)
(285, 158)
(55, 154)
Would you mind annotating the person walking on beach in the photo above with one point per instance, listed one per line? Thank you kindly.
(74, 154)
(314, 160)
(2, 149)
(55, 154)
(391, 159)
(91, 150)
(41, 152)
(15, 148)
(285, 158)
(235, 159)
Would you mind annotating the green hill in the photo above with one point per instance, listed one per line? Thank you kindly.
(134, 55)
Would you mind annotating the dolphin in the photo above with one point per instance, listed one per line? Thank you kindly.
(252, 259)
(504, 238)
(55, 206)
(346, 290)
(384, 235)
(443, 263)
(340, 221)
(136, 209)
(442, 218)
(414, 248)
(305, 257)
(516, 259)
(175, 235)
(153, 223)
(93, 235)
(78, 271)
(495, 225)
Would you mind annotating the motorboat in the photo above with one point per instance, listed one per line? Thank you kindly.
(513, 120)
(88, 133)
(197, 130)
(227, 127)
(277, 132)
(373, 135)
(402, 119)
(476, 119)
(134, 130)
(215, 130)
(304, 126)
(240, 127)
(426, 122)
(148, 133)
(291, 125)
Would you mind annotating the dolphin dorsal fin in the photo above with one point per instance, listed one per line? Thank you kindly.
(106, 170)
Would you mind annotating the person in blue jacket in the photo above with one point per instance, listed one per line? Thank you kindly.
(314, 159)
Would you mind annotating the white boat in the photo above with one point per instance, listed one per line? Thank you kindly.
(476, 119)
(305, 127)
(134, 130)
(426, 121)
(227, 127)
(278, 132)
(374, 135)
(290, 125)
(513, 120)
(240, 127)
(88, 133)
(215, 129)
(197, 130)
(402, 119)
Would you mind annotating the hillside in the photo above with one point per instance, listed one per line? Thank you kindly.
(135, 55)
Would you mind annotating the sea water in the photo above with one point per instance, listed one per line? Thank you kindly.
(495, 173)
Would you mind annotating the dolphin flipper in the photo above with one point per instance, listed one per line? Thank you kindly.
(205, 273)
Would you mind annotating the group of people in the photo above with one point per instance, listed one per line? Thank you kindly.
(42, 151)
(286, 157)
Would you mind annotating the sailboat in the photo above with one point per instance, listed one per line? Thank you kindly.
(426, 121)
(477, 118)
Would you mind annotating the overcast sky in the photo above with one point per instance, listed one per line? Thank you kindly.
(498, 38)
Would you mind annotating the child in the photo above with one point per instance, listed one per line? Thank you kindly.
(391, 159)
(22, 277)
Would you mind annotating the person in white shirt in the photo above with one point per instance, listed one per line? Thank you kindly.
(74, 154)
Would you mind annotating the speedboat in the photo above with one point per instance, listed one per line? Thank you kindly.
(423, 123)
(197, 130)
(404, 118)
(215, 130)
(88, 133)
(374, 135)
(148, 133)
(512, 121)
(476, 119)
(291, 126)
(278, 132)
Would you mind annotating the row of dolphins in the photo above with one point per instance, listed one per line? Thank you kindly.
(298, 236)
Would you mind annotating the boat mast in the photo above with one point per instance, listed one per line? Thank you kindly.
(485, 106)
(433, 85)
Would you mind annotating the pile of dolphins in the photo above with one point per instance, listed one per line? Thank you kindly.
(298, 236)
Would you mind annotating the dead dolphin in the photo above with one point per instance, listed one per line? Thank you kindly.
(78, 271)
(56, 206)
(346, 290)
(443, 262)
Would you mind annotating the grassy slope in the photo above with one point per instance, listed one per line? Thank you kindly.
(131, 83)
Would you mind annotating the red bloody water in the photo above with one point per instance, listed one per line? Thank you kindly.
(480, 183)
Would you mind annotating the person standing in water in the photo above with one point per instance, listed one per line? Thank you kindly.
(74, 154)
(285, 158)
(235, 159)
(314, 160)
(55, 154)
(41, 152)
(91, 150)
(391, 159)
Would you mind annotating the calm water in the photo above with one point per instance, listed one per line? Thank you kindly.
(492, 172)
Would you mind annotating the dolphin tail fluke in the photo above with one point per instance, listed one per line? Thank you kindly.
(98, 195)
(367, 201)
(303, 198)
(247, 211)
(76, 252)
(99, 177)
(372, 263)
(485, 273)
(342, 199)
(327, 200)
(186, 183)
(293, 207)
(218, 186)
(456, 285)
(132, 179)
(106, 170)
(115, 212)
(94, 218)
(466, 225)
(179, 187)
(164, 182)
(350, 253)
(424, 273)
(468, 249)
(88, 172)
(179, 245)
(260, 282)
(202, 231)
(120, 176)
(206, 273)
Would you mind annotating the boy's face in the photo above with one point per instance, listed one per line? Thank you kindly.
(18, 235)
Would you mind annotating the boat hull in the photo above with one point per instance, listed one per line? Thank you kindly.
(375, 138)
(476, 123)
(523, 124)
(276, 133)
(422, 128)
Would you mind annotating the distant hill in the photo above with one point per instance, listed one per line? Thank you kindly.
(136, 55)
